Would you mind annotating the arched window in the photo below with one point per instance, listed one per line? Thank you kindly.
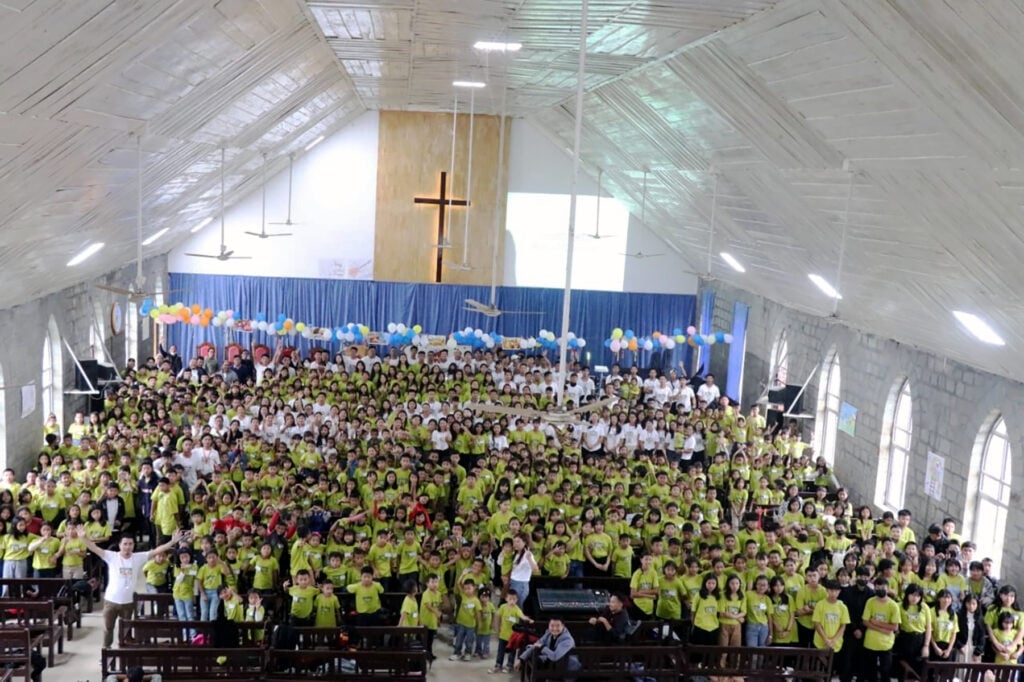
(131, 332)
(828, 409)
(95, 342)
(53, 374)
(3, 423)
(780, 362)
(894, 457)
(989, 486)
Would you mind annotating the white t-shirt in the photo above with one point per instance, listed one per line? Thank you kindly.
(708, 393)
(523, 571)
(122, 575)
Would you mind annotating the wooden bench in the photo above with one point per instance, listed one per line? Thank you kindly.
(197, 664)
(152, 632)
(620, 663)
(348, 666)
(384, 638)
(15, 653)
(763, 664)
(58, 590)
(148, 606)
(41, 619)
(937, 671)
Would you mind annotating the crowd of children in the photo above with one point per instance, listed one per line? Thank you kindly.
(362, 475)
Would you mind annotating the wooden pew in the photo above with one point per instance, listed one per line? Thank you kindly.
(381, 638)
(154, 632)
(148, 606)
(41, 619)
(15, 654)
(761, 664)
(619, 663)
(936, 671)
(197, 664)
(58, 590)
(348, 666)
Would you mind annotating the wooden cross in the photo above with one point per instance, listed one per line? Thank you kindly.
(442, 202)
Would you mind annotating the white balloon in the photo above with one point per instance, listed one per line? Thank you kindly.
(400, 328)
(350, 337)
(543, 332)
(392, 327)
(229, 323)
(478, 333)
(668, 343)
(582, 342)
(648, 345)
(572, 336)
(216, 322)
(452, 343)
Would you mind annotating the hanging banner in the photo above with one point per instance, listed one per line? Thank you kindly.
(934, 475)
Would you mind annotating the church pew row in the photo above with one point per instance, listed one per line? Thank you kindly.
(151, 632)
(58, 590)
(15, 654)
(188, 663)
(41, 619)
(629, 662)
(936, 671)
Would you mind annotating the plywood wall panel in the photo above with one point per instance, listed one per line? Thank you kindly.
(414, 148)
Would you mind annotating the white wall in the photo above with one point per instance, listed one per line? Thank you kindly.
(665, 274)
(334, 199)
(538, 165)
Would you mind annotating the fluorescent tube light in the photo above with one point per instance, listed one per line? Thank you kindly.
(314, 143)
(491, 46)
(206, 221)
(156, 236)
(733, 263)
(825, 287)
(85, 253)
(978, 328)
(469, 84)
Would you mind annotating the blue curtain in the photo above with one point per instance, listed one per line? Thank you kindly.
(437, 307)
(707, 314)
(737, 351)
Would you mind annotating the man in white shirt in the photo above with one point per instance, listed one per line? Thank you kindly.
(593, 435)
(709, 392)
(124, 567)
(687, 398)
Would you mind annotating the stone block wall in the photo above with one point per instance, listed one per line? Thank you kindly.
(952, 406)
(23, 329)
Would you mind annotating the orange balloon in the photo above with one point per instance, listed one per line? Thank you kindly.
(204, 322)
(655, 335)
(195, 308)
(633, 344)
(208, 313)
(690, 343)
(185, 314)
(288, 324)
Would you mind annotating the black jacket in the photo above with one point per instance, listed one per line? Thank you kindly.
(980, 635)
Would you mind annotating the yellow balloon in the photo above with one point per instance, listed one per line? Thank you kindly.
(300, 326)
(417, 329)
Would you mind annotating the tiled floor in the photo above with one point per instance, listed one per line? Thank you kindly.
(81, 659)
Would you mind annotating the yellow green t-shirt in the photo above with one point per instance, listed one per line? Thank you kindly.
(263, 573)
(916, 619)
(807, 597)
(43, 557)
(831, 617)
(782, 615)
(881, 612)
(367, 597)
(944, 627)
(508, 617)
(758, 607)
(302, 600)
(326, 611)
(410, 612)
(705, 613)
(644, 580)
(210, 578)
(428, 618)
(670, 595)
(486, 622)
(469, 607)
(185, 581)
(156, 574)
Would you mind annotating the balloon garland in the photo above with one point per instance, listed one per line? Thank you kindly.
(623, 340)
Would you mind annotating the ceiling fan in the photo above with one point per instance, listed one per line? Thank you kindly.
(492, 310)
(263, 234)
(559, 415)
(291, 164)
(224, 254)
(135, 291)
(640, 255)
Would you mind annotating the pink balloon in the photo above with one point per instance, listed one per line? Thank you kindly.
(194, 319)
(616, 346)
(691, 330)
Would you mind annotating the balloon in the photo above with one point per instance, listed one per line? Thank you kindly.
(677, 332)
(680, 338)
(691, 330)
(655, 335)
(300, 327)
(364, 330)
(710, 339)
(307, 333)
(582, 342)
(727, 338)
(154, 313)
(608, 343)
(668, 342)
(691, 343)
(392, 327)
(697, 340)
(719, 337)
(478, 333)
(194, 319)
(417, 329)
(452, 343)
(633, 344)
(195, 308)
(630, 334)
(573, 343)
(648, 345)
(261, 317)
(229, 323)
(207, 313)
(616, 333)
(204, 321)
(217, 322)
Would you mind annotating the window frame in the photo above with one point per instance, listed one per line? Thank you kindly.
(829, 399)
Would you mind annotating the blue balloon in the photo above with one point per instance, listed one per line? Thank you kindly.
(720, 337)
(282, 317)
(261, 317)
(677, 331)
(630, 334)
(607, 343)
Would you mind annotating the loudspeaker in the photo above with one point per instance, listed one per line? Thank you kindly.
(97, 373)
